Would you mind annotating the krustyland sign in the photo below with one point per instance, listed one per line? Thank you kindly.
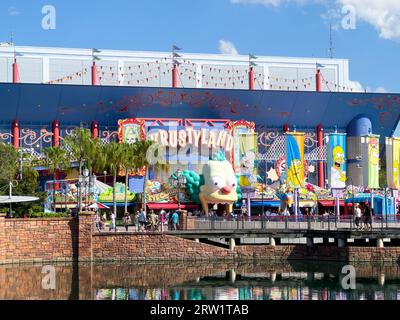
(197, 138)
(190, 140)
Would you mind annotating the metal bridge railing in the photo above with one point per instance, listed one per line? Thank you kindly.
(282, 222)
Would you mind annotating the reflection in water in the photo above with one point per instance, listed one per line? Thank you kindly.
(196, 281)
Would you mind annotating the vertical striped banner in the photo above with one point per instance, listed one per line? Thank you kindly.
(371, 161)
(337, 165)
(294, 150)
(392, 162)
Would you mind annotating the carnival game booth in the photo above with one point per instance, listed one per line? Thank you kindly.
(381, 204)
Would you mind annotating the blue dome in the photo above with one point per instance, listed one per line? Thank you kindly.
(360, 125)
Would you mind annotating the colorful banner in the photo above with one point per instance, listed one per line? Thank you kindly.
(337, 160)
(392, 162)
(248, 166)
(371, 161)
(294, 149)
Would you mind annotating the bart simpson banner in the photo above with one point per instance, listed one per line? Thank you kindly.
(295, 159)
(337, 160)
(371, 161)
(392, 162)
(248, 153)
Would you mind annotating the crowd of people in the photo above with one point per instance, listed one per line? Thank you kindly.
(169, 220)
(142, 221)
(363, 216)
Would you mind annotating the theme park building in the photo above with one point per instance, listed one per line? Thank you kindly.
(218, 100)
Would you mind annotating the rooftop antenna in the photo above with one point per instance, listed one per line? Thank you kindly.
(330, 49)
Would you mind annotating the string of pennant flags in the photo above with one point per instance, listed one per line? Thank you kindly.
(209, 76)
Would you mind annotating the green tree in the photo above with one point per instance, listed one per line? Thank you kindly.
(134, 159)
(114, 157)
(56, 160)
(8, 165)
(80, 146)
(85, 150)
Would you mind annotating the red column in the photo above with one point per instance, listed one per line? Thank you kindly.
(95, 129)
(15, 72)
(320, 143)
(56, 133)
(318, 81)
(251, 79)
(285, 128)
(15, 132)
(175, 76)
(95, 78)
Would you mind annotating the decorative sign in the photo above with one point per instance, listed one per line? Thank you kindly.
(175, 138)
(131, 130)
(371, 161)
(392, 162)
(337, 160)
(295, 173)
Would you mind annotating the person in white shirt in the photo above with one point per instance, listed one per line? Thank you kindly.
(112, 222)
(357, 214)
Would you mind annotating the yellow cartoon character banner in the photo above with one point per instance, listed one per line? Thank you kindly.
(294, 149)
(392, 162)
(373, 161)
(337, 160)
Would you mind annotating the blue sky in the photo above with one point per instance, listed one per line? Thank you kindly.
(262, 27)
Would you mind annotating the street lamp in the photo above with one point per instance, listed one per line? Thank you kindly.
(82, 181)
(177, 181)
(105, 174)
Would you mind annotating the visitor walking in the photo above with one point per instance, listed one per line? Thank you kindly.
(153, 221)
(161, 219)
(97, 222)
(368, 216)
(169, 220)
(136, 220)
(357, 214)
(142, 220)
(113, 224)
(127, 220)
(175, 220)
(103, 221)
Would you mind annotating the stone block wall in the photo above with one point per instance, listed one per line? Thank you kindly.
(37, 240)
(154, 246)
(72, 239)
(319, 253)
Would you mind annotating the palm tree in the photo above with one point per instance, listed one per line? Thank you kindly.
(56, 160)
(80, 143)
(84, 149)
(114, 157)
(135, 159)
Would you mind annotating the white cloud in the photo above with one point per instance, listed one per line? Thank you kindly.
(13, 11)
(356, 86)
(276, 3)
(384, 15)
(380, 90)
(227, 47)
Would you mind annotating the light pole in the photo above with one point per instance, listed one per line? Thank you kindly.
(105, 174)
(82, 181)
(176, 182)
